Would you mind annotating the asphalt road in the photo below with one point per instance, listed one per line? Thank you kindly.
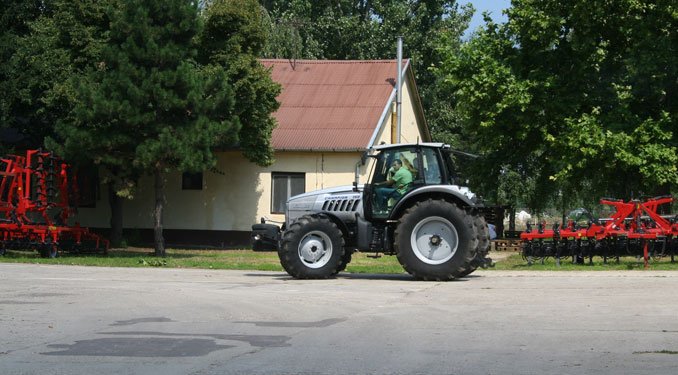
(86, 320)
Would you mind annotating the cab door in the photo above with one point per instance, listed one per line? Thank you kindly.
(379, 199)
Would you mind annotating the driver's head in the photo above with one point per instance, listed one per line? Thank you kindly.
(397, 164)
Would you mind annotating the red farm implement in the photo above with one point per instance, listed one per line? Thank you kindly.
(634, 229)
(38, 194)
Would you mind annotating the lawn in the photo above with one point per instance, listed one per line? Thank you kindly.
(208, 259)
(268, 261)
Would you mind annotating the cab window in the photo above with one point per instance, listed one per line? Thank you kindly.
(431, 166)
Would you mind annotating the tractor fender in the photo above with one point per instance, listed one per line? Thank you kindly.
(452, 193)
(336, 220)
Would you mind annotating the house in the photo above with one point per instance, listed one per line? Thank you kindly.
(330, 112)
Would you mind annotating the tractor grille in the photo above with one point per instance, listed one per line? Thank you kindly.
(345, 205)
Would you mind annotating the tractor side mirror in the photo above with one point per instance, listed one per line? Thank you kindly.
(363, 158)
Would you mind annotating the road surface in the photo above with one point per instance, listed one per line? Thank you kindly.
(88, 320)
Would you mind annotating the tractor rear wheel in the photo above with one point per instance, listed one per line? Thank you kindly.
(483, 247)
(345, 260)
(312, 248)
(435, 240)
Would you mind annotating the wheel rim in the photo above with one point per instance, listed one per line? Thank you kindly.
(434, 240)
(315, 249)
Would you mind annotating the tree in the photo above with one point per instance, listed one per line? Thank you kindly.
(57, 41)
(147, 106)
(60, 43)
(20, 81)
(233, 37)
(576, 94)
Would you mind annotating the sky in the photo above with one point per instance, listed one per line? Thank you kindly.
(493, 6)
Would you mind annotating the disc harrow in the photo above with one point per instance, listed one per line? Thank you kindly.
(634, 229)
(38, 195)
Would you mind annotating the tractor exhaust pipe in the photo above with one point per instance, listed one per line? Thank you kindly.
(399, 84)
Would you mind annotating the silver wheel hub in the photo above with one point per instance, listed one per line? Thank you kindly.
(315, 249)
(434, 240)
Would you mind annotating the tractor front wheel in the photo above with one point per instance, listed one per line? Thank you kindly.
(312, 248)
(435, 240)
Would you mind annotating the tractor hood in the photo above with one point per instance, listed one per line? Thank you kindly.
(338, 200)
(331, 191)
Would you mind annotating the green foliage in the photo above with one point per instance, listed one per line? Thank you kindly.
(233, 36)
(16, 105)
(575, 97)
(146, 104)
(59, 39)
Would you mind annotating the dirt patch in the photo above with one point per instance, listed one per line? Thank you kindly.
(498, 256)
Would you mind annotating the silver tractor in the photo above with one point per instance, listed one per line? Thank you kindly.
(433, 226)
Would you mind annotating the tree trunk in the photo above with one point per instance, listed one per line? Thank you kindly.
(115, 202)
(159, 241)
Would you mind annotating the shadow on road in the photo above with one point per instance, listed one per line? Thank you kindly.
(355, 276)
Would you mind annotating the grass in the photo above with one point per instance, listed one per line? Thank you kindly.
(268, 261)
(207, 259)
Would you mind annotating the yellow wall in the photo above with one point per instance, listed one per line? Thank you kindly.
(241, 195)
(233, 200)
(409, 129)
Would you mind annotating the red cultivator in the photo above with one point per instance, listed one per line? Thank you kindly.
(37, 196)
(634, 229)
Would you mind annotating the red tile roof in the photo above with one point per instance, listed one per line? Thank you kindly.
(329, 104)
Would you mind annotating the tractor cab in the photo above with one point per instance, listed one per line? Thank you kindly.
(398, 170)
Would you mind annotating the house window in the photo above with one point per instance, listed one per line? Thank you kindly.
(284, 186)
(88, 188)
(191, 181)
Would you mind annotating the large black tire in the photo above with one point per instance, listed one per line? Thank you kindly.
(483, 236)
(345, 260)
(312, 248)
(435, 240)
(483, 248)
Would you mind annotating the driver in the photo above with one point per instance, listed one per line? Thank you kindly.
(395, 186)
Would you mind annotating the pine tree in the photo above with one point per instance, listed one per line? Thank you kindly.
(148, 107)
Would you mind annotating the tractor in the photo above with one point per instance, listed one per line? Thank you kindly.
(429, 222)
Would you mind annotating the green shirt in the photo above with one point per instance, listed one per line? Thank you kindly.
(403, 179)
